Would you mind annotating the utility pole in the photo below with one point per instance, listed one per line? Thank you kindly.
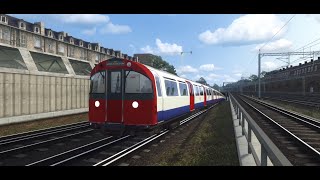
(294, 53)
(259, 69)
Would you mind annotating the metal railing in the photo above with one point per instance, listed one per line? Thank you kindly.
(268, 148)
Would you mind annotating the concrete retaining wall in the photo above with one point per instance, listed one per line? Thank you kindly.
(27, 94)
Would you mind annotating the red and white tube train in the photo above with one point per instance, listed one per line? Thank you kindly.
(128, 95)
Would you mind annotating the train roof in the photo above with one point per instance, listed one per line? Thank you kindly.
(152, 69)
(172, 76)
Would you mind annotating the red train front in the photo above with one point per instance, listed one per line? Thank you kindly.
(120, 93)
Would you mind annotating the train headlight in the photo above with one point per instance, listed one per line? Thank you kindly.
(135, 104)
(97, 103)
(129, 64)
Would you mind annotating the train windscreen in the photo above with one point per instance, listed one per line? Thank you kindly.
(98, 83)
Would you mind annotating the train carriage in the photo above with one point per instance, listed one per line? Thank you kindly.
(127, 95)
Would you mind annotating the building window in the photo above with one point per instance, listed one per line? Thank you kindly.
(22, 25)
(315, 68)
(89, 46)
(4, 19)
(97, 57)
(71, 40)
(36, 29)
(81, 44)
(37, 42)
(50, 34)
(61, 48)
(60, 37)
(71, 51)
(5, 34)
(50, 46)
(82, 54)
(96, 48)
(23, 39)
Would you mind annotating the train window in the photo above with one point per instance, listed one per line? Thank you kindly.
(116, 82)
(183, 89)
(137, 83)
(158, 86)
(97, 84)
(196, 90)
(201, 90)
(171, 88)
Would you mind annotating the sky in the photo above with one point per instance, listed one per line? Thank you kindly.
(224, 46)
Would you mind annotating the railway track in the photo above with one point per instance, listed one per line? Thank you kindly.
(73, 145)
(21, 148)
(42, 131)
(297, 136)
(309, 103)
(18, 142)
(106, 151)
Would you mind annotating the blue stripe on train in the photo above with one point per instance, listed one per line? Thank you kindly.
(171, 113)
(199, 105)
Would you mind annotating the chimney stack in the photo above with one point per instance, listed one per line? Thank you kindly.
(41, 25)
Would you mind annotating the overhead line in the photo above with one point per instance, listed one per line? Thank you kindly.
(278, 31)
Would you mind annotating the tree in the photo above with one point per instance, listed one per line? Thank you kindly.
(253, 77)
(202, 81)
(263, 73)
(216, 87)
(163, 65)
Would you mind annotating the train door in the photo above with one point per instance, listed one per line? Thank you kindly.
(115, 94)
(159, 98)
(191, 95)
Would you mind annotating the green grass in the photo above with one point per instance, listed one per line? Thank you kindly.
(213, 144)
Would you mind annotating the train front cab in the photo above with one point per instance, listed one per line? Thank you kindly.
(122, 96)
